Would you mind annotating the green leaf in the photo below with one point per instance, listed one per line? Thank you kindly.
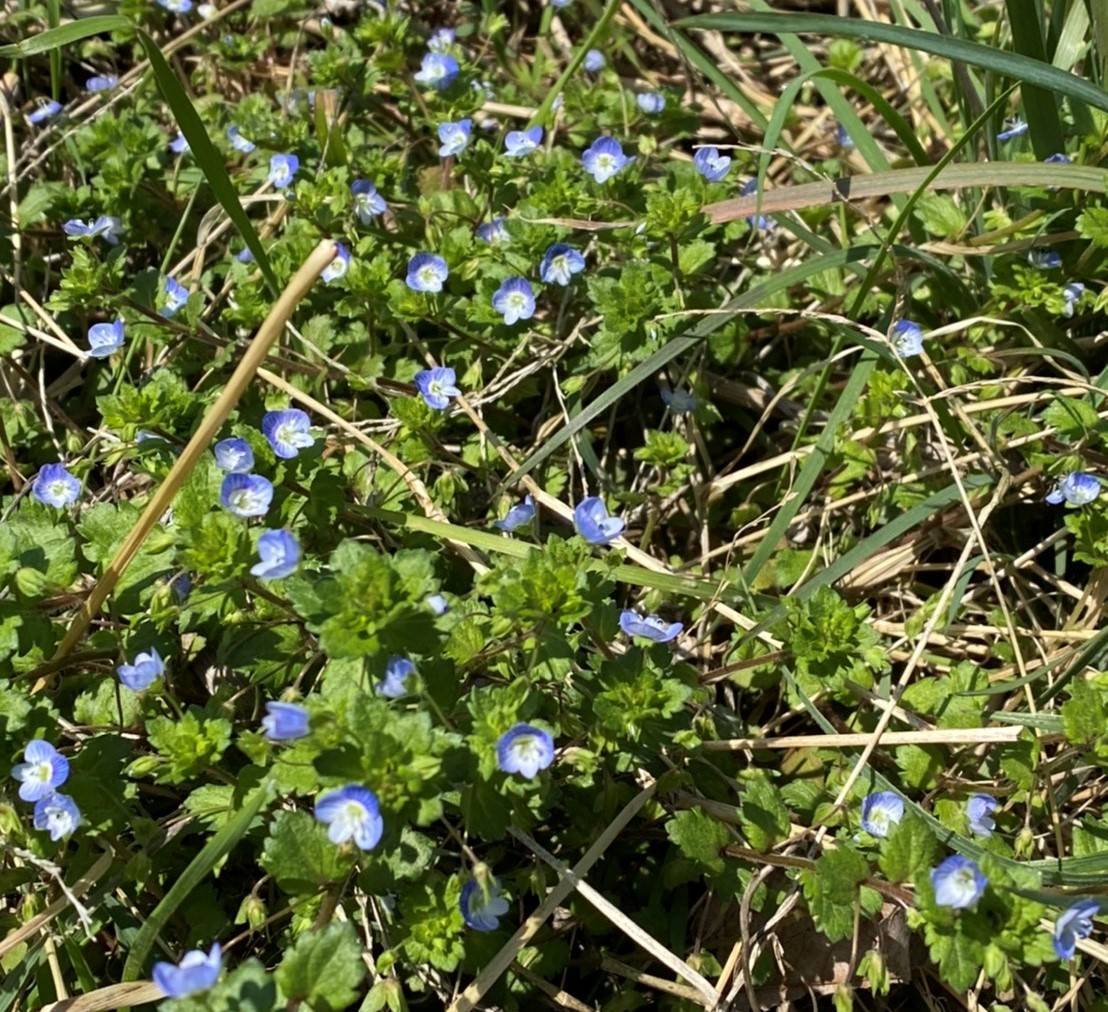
(1092, 223)
(190, 743)
(54, 38)
(830, 889)
(247, 988)
(763, 816)
(910, 848)
(1073, 418)
(324, 968)
(1083, 714)
(299, 856)
(699, 837)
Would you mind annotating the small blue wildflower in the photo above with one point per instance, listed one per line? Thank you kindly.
(652, 627)
(559, 263)
(979, 814)
(590, 517)
(514, 300)
(238, 142)
(524, 749)
(195, 973)
(146, 669)
(482, 909)
(560, 4)
(176, 6)
(181, 585)
(1044, 259)
(284, 721)
(58, 814)
(604, 158)
(43, 769)
(176, 295)
(105, 227)
(101, 82)
(279, 552)
(493, 232)
(1058, 158)
(179, 145)
(881, 811)
(437, 70)
(105, 339)
(594, 61)
(1074, 922)
(454, 137)
(1076, 489)
(46, 110)
(843, 138)
(436, 386)
(651, 102)
(55, 486)
(1014, 127)
(245, 256)
(711, 164)
(1072, 293)
(246, 495)
(440, 40)
(351, 813)
(907, 338)
(680, 402)
(282, 170)
(958, 882)
(761, 222)
(395, 683)
(518, 143)
(338, 267)
(426, 273)
(520, 514)
(234, 455)
(368, 203)
(287, 432)
(438, 604)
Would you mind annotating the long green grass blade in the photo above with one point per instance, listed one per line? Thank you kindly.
(1012, 65)
(216, 848)
(53, 38)
(1039, 104)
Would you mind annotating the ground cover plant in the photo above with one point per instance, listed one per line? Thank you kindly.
(589, 505)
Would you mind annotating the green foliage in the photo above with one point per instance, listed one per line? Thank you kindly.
(189, 744)
(831, 890)
(323, 968)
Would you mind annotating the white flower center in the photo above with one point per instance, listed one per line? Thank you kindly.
(58, 489)
(41, 772)
(605, 162)
(427, 276)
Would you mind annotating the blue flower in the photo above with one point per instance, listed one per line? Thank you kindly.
(1014, 127)
(282, 170)
(594, 61)
(234, 455)
(436, 386)
(518, 143)
(426, 273)
(881, 811)
(711, 164)
(520, 514)
(907, 338)
(440, 40)
(438, 604)
(368, 203)
(145, 670)
(481, 909)
(58, 814)
(1074, 922)
(1044, 259)
(287, 432)
(560, 4)
(651, 102)
(101, 82)
(514, 300)
(43, 769)
(958, 882)
(524, 749)
(351, 813)
(437, 70)
(284, 721)
(979, 814)
(493, 232)
(454, 137)
(55, 486)
(1076, 489)
(604, 158)
(590, 517)
(1058, 158)
(338, 267)
(652, 627)
(176, 295)
(843, 138)
(196, 972)
(246, 495)
(176, 6)
(1072, 293)
(46, 110)
(395, 683)
(244, 256)
(758, 221)
(680, 402)
(105, 339)
(106, 227)
(559, 263)
(238, 142)
(280, 554)
(179, 145)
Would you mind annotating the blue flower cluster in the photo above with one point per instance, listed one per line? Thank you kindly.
(41, 773)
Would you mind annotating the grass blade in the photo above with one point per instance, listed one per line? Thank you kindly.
(1040, 105)
(53, 38)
